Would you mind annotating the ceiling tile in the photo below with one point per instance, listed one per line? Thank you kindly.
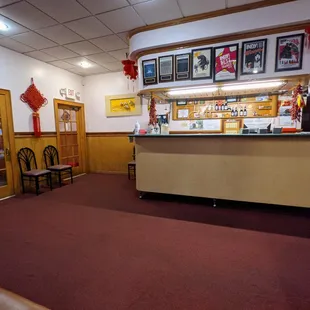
(60, 34)
(60, 52)
(97, 7)
(120, 54)
(27, 15)
(200, 6)
(40, 56)
(124, 36)
(7, 2)
(89, 28)
(114, 66)
(61, 10)
(122, 20)
(61, 64)
(13, 29)
(136, 1)
(109, 43)
(77, 60)
(96, 70)
(83, 48)
(157, 11)
(14, 45)
(78, 71)
(34, 40)
(231, 3)
(102, 58)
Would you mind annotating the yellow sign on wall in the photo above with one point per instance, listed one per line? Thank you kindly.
(123, 105)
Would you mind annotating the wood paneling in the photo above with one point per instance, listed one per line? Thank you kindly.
(193, 18)
(109, 152)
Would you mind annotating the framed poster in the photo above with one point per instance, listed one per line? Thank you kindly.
(202, 63)
(225, 63)
(289, 52)
(123, 105)
(149, 71)
(182, 67)
(254, 57)
(166, 68)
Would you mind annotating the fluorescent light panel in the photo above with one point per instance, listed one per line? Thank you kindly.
(3, 26)
(193, 91)
(247, 86)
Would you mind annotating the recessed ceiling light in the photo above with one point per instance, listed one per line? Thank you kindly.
(85, 64)
(3, 26)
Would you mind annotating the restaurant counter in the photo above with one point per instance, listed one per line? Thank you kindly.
(263, 168)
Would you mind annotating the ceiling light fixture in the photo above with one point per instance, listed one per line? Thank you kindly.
(3, 26)
(85, 64)
(192, 91)
(257, 85)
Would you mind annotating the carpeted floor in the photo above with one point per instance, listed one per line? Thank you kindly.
(94, 245)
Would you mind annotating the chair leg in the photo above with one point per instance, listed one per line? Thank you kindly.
(59, 178)
(71, 174)
(37, 185)
(51, 181)
(23, 185)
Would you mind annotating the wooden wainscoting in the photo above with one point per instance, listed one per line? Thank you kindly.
(108, 152)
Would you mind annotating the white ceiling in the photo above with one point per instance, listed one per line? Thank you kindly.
(64, 33)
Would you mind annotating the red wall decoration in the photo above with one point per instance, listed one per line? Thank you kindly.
(35, 100)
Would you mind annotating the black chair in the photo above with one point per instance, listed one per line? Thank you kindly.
(29, 169)
(132, 166)
(51, 158)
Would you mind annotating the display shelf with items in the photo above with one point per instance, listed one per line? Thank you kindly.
(225, 108)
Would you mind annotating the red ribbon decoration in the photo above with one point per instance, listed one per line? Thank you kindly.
(35, 100)
(130, 69)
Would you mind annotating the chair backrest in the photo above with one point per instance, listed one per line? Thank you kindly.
(51, 156)
(26, 159)
(134, 153)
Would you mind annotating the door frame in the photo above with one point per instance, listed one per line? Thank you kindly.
(81, 128)
(9, 114)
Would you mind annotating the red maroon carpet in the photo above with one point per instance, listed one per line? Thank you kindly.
(67, 251)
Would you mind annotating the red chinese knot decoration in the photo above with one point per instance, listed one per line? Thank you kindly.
(297, 103)
(130, 69)
(35, 100)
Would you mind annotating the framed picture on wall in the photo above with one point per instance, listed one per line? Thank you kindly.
(254, 57)
(225, 63)
(202, 63)
(166, 68)
(182, 67)
(289, 52)
(123, 105)
(149, 71)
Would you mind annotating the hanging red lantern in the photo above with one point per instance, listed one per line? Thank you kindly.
(35, 100)
(130, 69)
(307, 38)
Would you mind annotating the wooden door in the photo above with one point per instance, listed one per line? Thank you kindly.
(71, 137)
(6, 134)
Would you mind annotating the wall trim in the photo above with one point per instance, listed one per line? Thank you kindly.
(193, 18)
(31, 134)
(223, 39)
(108, 134)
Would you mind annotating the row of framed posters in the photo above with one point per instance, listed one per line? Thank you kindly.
(222, 63)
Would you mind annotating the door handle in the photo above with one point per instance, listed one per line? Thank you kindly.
(8, 154)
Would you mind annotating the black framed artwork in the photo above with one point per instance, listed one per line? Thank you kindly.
(202, 63)
(289, 52)
(225, 63)
(166, 68)
(253, 60)
(182, 67)
(149, 71)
